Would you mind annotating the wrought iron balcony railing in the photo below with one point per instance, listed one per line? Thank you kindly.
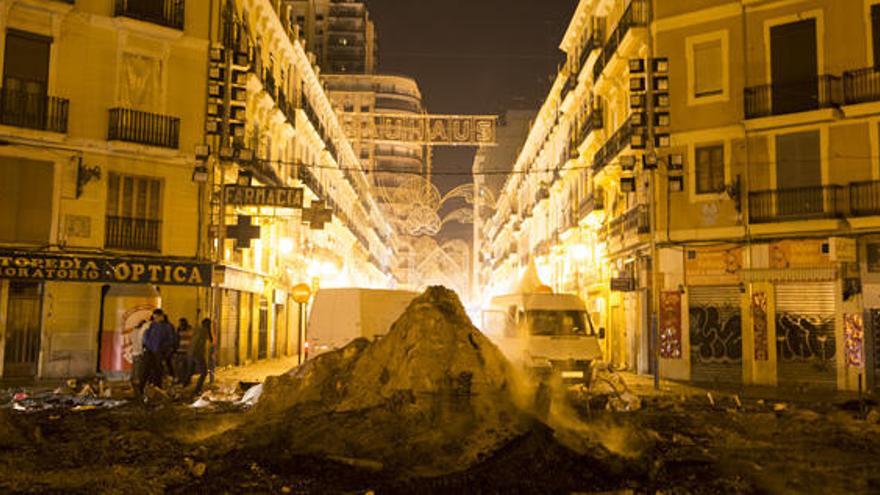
(861, 86)
(780, 99)
(132, 234)
(635, 221)
(635, 15)
(802, 203)
(145, 128)
(33, 111)
(864, 198)
(594, 42)
(615, 144)
(168, 13)
(594, 202)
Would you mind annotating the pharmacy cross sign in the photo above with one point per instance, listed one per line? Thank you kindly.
(243, 232)
(317, 215)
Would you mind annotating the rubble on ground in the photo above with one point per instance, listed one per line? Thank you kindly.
(73, 395)
(607, 390)
(430, 397)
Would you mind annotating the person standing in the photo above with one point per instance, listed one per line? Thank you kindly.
(202, 340)
(137, 355)
(181, 357)
(158, 343)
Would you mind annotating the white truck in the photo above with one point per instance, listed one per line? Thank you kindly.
(549, 334)
(339, 316)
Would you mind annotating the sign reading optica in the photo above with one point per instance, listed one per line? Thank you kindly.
(277, 197)
(74, 268)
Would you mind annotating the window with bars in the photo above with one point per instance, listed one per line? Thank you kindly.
(134, 220)
(709, 169)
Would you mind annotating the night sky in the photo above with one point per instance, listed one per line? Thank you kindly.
(471, 56)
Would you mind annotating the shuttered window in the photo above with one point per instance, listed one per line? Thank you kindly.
(709, 168)
(708, 69)
(133, 197)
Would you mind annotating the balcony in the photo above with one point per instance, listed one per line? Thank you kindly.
(635, 221)
(861, 86)
(168, 13)
(132, 234)
(621, 139)
(592, 123)
(150, 129)
(864, 198)
(781, 99)
(33, 111)
(594, 42)
(636, 15)
(802, 203)
(590, 204)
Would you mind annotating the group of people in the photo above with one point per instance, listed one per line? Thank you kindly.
(158, 349)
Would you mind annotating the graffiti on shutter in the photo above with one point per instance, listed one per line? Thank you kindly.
(805, 344)
(715, 333)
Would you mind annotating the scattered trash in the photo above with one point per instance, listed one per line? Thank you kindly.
(20, 396)
(252, 396)
(738, 402)
(44, 401)
(201, 403)
(608, 390)
(711, 399)
(84, 408)
(873, 416)
(780, 406)
(198, 469)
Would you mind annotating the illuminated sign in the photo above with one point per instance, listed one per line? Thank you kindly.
(277, 197)
(452, 130)
(73, 268)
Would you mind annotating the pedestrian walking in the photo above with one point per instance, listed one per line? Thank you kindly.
(182, 364)
(158, 343)
(137, 355)
(202, 340)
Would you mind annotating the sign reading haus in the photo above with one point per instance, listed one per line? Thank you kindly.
(437, 130)
(275, 197)
(74, 268)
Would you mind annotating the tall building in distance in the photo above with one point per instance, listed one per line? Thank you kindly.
(340, 34)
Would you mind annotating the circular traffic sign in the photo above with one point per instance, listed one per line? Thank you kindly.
(301, 293)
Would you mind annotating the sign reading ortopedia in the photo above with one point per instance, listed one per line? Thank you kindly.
(72, 268)
(276, 197)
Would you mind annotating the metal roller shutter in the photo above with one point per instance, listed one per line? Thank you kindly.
(227, 349)
(805, 344)
(715, 333)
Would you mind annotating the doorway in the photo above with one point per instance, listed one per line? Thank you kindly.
(23, 316)
(794, 67)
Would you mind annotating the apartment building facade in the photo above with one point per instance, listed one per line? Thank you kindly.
(750, 208)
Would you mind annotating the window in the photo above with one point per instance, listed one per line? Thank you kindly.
(707, 69)
(875, 25)
(709, 169)
(25, 200)
(133, 212)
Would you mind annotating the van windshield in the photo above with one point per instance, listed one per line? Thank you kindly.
(554, 323)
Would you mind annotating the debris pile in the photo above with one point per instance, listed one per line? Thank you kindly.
(73, 395)
(431, 397)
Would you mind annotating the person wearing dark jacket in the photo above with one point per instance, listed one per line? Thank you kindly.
(158, 344)
(181, 355)
(201, 341)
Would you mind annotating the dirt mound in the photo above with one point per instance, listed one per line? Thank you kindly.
(431, 397)
(9, 434)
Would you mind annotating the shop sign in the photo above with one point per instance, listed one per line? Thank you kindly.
(842, 249)
(460, 130)
(275, 197)
(714, 267)
(74, 268)
(802, 253)
(623, 284)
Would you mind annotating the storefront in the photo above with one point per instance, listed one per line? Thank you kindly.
(67, 314)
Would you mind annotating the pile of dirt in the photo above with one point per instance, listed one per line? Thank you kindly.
(9, 435)
(429, 398)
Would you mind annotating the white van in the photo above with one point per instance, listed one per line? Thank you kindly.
(339, 316)
(547, 333)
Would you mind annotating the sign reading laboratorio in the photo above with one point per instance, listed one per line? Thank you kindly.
(74, 268)
(438, 130)
(276, 197)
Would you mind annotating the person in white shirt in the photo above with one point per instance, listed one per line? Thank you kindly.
(137, 354)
